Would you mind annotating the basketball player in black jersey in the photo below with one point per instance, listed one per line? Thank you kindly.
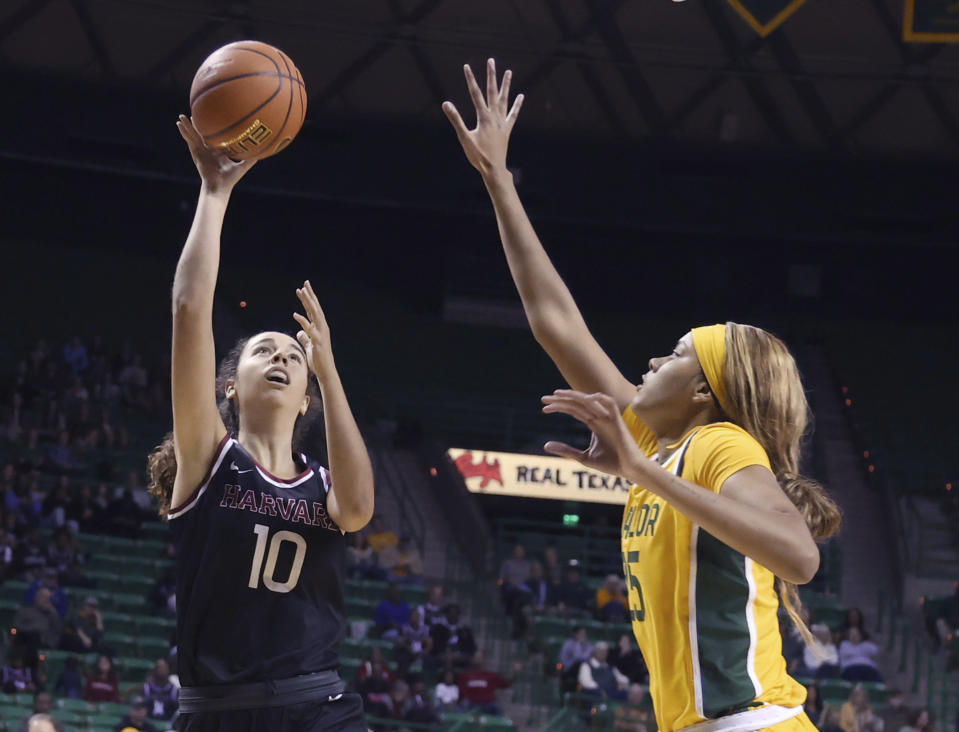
(258, 529)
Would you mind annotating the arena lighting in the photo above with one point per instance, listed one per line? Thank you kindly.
(433, 472)
(849, 402)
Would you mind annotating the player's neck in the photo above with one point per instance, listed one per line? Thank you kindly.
(271, 449)
(670, 435)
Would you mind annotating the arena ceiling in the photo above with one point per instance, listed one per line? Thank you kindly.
(835, 77)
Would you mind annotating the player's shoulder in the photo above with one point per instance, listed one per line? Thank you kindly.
(721, 434)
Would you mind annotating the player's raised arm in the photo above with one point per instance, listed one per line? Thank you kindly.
(555, 319)
(350, 501)
(197, 426)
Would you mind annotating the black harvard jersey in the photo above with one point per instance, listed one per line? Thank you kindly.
(259, 586)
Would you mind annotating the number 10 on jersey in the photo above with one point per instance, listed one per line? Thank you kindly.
(262, 533)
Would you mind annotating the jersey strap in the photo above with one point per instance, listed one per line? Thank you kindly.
(225, 444)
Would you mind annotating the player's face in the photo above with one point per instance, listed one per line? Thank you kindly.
(671, 382)
(272, 373)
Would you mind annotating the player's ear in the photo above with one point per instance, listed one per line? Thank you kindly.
(305, 405)
(229, 389)
(702, 393)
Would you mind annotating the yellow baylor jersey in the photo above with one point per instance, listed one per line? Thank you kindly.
(704, 615)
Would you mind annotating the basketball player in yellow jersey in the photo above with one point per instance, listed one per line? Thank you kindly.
(710, 440)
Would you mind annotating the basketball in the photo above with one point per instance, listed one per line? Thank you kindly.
(248, 100)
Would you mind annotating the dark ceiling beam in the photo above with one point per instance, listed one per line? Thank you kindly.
(712, 85)
(911, 57)
(360, 64)
(770, 113)
(630, 70)
(21, 16)
(93, 37)
(593, 81)
(867, 111)
(185, 47)
(805, 90)
(420, 58)
(560, 55)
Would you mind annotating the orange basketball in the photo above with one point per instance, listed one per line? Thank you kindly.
(248, 100)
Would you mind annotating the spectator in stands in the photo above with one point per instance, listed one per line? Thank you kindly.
(38, 625)
(83, 628)
(633, 716)
(552, 569)
(399, 698)
(62, 553)
(534, 599)
(575, 650)
(102, 682)
(56, 504)
(16, 676)
(163, 595)
(391, 614)
(51, 581)
(597, 677)
(42, 704)
(419, 707)
(447, 692)
(159, 691)
(60, 456)
(380, 537)
(611, 602)
(75, 355)
(857, 658)
(919, 721)
(829, 722)
(30, 557)
(626, 657)
(822, 662)
(84, 510)
(70, 683)
(138, 492)
(360, 559)
(43, 723)
(372, 682)
(854, 619)
(434, 610)
(575, 596)
(133, 383)
(453, 641)
(513, 576)
(8, 544)
(813, 706)
(413, 643)
(402, 562)
(857, 715)
(123, 517)
(136, 718)
(478, 686)
(896, 714)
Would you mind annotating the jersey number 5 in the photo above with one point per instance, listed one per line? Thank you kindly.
(636, 613)
(279, 537)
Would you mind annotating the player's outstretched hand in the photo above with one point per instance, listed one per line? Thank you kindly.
(315, 336)
(486, 145)
(611, 448)
(218, 173)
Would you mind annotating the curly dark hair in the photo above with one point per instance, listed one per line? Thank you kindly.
(161, 463)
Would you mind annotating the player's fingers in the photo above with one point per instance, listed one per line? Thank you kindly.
(453, 115)
(572, 409)
(307, 303)
(514, 112)
(491, 91)
(475, 94)
(504, 89)
(305, 324)
(561, 449)
(315, 301)
(584, 404)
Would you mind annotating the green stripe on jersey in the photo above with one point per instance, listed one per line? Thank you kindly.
(722, 593)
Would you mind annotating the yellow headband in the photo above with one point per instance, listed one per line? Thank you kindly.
(710, 344)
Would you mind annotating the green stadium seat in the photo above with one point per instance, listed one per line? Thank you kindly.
(119, 643)
(117, 709)
(13, 590)
(120, 622)
(152, 647)
(78, 706)
(835, 691)
(155, 626)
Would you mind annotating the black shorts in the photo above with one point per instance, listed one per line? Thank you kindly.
(345, 714)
